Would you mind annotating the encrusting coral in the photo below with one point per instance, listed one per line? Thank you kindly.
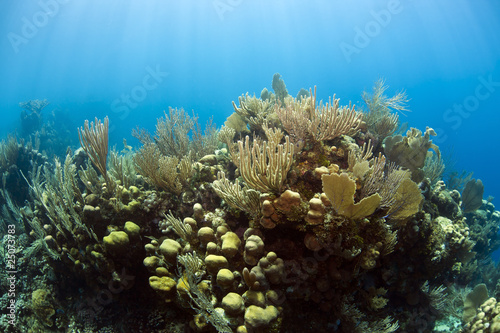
(311, 216)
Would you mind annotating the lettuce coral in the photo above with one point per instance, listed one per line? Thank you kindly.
(340, 190)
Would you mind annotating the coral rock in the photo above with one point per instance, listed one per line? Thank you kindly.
(233, 304)
(267, 208)
(273, 267)
(287, 201)
(212, 248)
(151, 263)
(206, 235)
(230, 244)
(198, 211)
(164, 286)
(170, 249)
(253, 297)
(316, 212)
(225, 278)
(257, 317)
(214, 263)
(116, 241)
(132, 229)
(318, 172)
(254, 248)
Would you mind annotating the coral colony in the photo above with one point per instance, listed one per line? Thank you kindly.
(298, 215)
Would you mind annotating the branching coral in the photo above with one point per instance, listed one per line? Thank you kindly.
(9, 151)
(56, 192)
(183, 230)
(94, 140)
(245, 199)
(265, 168)
(179, 135)
(57, 195)
(330, 121)
(122, 168)
(254, 111)
(357, 157)
(226, 135)
(294, 116)
(380, 119)
(191, 268)
(384, 180)
(434, 167)
(172, 133)
(165, 172)
(305, 118)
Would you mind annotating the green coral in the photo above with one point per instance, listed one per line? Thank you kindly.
(116, 241)
(132, 229)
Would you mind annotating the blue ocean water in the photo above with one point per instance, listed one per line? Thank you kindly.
(130, 60)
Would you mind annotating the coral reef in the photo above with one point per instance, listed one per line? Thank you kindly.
(48, 132)
(380, 118)
(279, 87)
(31, 115)
(323, 220)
